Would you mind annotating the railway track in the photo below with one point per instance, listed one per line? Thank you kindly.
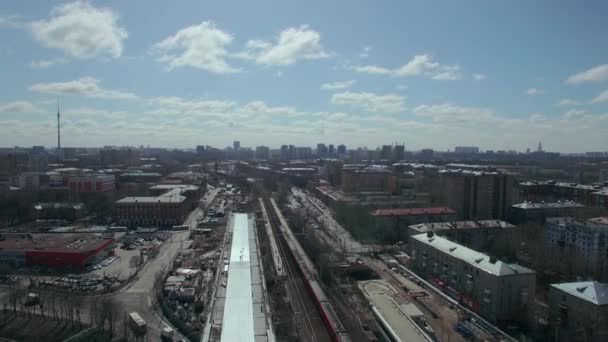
(308, 318)
(301, 264)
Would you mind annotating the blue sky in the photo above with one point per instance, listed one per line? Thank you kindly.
(430, 74)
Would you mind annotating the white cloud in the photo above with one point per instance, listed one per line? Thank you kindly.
(201, 46)
(568, 102)
(370, 102)
(19, 107)
(47, 63)
(419, 65)
(85, 86)
(461, 115)
(401, 87)
(11, 21)
(534, 91)
(601, 98)
(479, 77)
(337, 85)
(595, 74)
(292, 44)
(573, 114)
(81, 30)
(365, 52)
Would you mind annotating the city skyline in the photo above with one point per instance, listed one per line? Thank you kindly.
(497, 76)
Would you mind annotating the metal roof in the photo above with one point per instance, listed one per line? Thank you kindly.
(392, 315)
(238, 309)
(413, 211)
(552, 205)
(591, 291)
(472, 257)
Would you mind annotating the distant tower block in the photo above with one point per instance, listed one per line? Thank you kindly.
(58, 132)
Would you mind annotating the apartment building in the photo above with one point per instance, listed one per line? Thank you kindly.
(496, 290)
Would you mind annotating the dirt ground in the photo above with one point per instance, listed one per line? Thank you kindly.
(27, 328)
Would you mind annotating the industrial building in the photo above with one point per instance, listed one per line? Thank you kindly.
(578, 311)
(170, 208)
(478, 235)
(476, 194)
(73, 251)
(496, 290)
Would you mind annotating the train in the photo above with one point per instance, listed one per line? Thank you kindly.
(331, 320)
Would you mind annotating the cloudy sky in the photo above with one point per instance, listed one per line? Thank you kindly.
(430, 74)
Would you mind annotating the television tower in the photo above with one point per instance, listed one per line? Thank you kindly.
(58, 132)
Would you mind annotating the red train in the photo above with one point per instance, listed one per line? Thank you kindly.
(305, 267)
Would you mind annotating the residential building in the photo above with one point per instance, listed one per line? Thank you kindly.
(476, 194)
(466, 149)
(322, 150)
(331, 149)
(284, 152)
(386, 152)
(341, 150)
(479, 235)
(262, 153)
(399, 152)
(528, 212)
(586, 240)
(374, 178)
(578, 311)
(236, 145)
(496, 290)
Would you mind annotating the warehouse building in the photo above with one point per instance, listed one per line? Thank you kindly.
(73, 251)
(496, 290)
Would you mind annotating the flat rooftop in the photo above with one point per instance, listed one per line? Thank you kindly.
(413, 211)
(157, 199)
(390, 313)
(472, 257)
(53, 242)
(552, 205)
(439, 226)
(238, 308)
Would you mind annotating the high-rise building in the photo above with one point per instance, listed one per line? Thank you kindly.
(292, 152)
(398, 152)
(262, 152)
(426, 153)
(386, 152)
(477, 195)
(341, 149)
(321, 150)
(58, 133)
(236, 145)
(284, 152)
(331, 149)
(466, 149)
(200, 149)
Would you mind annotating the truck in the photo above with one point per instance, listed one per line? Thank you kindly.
(137, 324)
(166, 335)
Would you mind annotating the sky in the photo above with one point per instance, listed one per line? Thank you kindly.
(427, 74)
